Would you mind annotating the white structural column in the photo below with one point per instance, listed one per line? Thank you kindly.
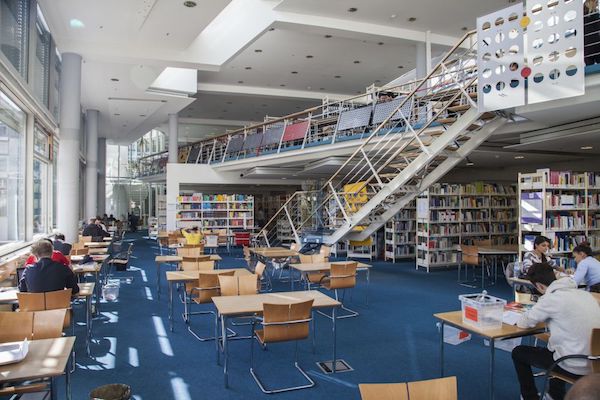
(101, 192)
(91, 167)
(68, 152)
(173, 138)
(421, 62)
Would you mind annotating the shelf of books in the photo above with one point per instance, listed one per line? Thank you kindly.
(161, 211)
(450, 214)
(215, 211)
(561, 205)
(400, 234)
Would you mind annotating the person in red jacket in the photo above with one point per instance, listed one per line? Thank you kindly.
(56, 256)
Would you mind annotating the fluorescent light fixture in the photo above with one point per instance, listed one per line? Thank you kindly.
(469, 162)
(175, 82)
(519, 157)
(76, 24)
(587, 147)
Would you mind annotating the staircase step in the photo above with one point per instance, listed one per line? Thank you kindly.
(447, 120)
(462, 107)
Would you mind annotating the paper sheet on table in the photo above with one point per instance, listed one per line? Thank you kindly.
(13, 352)
(511, 317)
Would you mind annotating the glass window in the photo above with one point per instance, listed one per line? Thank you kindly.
(40, 196)
(41, 144)
(54, 182)
(12, 171)
(14, 28)
(54, 97)
(41, 61)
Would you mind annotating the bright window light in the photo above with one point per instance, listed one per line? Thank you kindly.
(76, 24)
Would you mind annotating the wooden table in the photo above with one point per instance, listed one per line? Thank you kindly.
(306, 268)
(99, 258)
(86, 291)
(47, 358)
(273, 252)
(454, 318)
(175, 259)
(492, 251)
(98, 250)
(235, 306)
(91, 269)
(96, 244)
(188, 276)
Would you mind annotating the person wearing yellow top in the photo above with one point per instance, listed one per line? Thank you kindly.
(192, 236)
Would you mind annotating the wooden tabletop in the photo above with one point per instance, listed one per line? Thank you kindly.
(9, 295)
(46, 358)
(454, 318)
(97, 250)
(95, 257)
(182, 276)
(324, 266)
(273, 252)
(86, 268)
(96, 244)
(253, 303)
(383, 391)
(175, 259)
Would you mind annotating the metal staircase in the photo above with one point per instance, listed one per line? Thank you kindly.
(434, 127)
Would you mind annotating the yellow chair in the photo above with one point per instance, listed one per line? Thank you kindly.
(282, 323)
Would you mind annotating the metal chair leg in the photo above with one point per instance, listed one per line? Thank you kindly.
(350, 313)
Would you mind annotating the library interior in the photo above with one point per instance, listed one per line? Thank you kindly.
(341, 199)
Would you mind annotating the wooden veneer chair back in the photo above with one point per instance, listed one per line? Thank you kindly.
(56, 300)
(342, 276)
(285, 322)
(33, 325)
(439, 389)
(470, 254)
(238, 285)
(207, 287)
(305, 258)
(189, 250)
(197, 263)
(325, 251)
(295, 247)
(83, 239)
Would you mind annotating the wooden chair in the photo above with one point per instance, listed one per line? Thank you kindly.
(83, 239)
(16, 326)
(282, 323)
(341, 276)
(264, 282)
(325, 252)
(313, 278)
(239, 285)
(470, 256)
(201, 292)
(594, 357)
(211, 241)
(78, 251)
(439, 389)
(191, 250)
(201, 263)
(56, 300)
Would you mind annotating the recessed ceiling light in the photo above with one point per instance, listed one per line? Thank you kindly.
(337, 76)
(328, 36)
(412, 19)
(271, 29)
(283, 177)
(229, 102)
(294, 72)
(309, 87)
(100, 27)
(247, 67)
(282, 85)
(469, 162)
(393, 16)
(321, 88)
(586, 147)
(352, 9)
(356, 62)
(114, 79)
(167, 34)
(464, 28)
(400, 66)
(519, 157)
(309, 56)
(240, 81)
(142, 115)
(380, 43)
(76, 24)
(189, 4)
(116, 115)
(258, 51)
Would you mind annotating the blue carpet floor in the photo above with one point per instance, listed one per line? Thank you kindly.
(395, 339)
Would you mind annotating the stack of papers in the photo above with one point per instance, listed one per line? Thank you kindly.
(13, 352)
(511, 317)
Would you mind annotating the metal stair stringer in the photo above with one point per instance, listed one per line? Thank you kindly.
(432, 177)
(449, 137)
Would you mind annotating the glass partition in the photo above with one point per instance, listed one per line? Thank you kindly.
(14, 36)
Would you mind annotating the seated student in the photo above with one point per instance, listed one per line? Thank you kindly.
(588, 268)
(46, 275)
(95, 231)
(57, 256)
(59, 244)
(192, 236)
(570, 315)
(539, 254)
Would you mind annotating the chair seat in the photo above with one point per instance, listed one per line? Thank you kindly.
(31, 388)
(563, 377)
(315, 277)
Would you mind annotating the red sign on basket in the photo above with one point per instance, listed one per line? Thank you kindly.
(471, 313)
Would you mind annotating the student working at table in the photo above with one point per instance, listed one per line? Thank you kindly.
(57, 256)
(570, 315)
(46, 275)
(192, 236)
(588, 268)
(539, 254)
(95, 230)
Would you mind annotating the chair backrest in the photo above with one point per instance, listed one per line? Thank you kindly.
(325, 251)
(197, 263)
(595, 349)
(58, 299)
(83, 239)
(343, 275)
(383, 391)
(209, 286)
(439, 389)
(305, 258)
(206, 265)
(81, 251)
(31, 301)
(248, 284)
(319, 258)
(15, 326)
(48, 324)
(238, 285)
(284, 322)
(470, 254)
(190, 251)
(228, 285)
(260, 269)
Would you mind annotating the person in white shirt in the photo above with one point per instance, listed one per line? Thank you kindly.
(570, 315)
(588, 268)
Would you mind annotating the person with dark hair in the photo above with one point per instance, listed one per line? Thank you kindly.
(539, 254)
(46, 275)
(192, 236)
(588, 268)
(60, 244)
(384, 97)
(586, 388)
(95, 231)
(570, 316)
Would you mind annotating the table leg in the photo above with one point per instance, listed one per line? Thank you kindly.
(492, 353)
(53, 387)
(68, 380)
(441, 349)
(171, 305)
(88, 323)
(368, 283)
(217, 337)
(334, 363)
(314, 331)
(225, 350)
(482, 273)
(97, 287)
(157, 281)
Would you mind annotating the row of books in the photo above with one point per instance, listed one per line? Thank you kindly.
(404, 215)
(478, 202)
(401, 250)
(504, 228)
(444, 230)
(443, 216)
(572, 221)
(400, 226)
(565, 200)
(567, 242)
(475, 228)
(566, 178)
(487, 188)
(503, 215)
(450, 202)
(475, 215)
(400, 238)
(504, 202)
(441, 257)
(442, 243)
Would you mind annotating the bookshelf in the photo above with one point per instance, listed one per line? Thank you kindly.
(362, 249)
(215, 211)
(561, 205)
(161, 211)
(450, 214)
(400, 234)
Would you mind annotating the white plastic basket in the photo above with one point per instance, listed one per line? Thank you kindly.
(110, 291)
(482, 310)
